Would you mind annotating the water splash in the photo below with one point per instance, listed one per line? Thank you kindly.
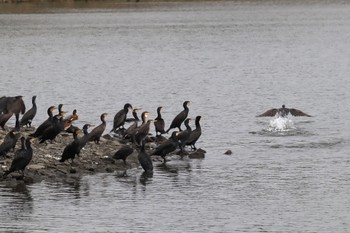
(281, 124)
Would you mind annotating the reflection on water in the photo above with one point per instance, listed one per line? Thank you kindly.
(230, 59)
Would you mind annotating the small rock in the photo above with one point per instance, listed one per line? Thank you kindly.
(228, 152)
(196, 155)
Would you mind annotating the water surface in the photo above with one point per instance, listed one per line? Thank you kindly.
(233, 61)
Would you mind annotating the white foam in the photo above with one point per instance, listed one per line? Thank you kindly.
(281, 124)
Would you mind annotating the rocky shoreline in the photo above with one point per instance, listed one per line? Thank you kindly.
(93, 159)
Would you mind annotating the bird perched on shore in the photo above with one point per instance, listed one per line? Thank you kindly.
(159, 123)
(120, 117)
(51, 132)
(84, 139)
(72, 148)
(167, 146)
(135, 116)
(123, 153)
(69, 120)
(28, 117)
(22, 158)
(184, 135)
(144, 159)
(131, 131)
(97, 132)
(194, 135)
(49, 121)
(177, 121)
(143, 131)
(283, 112)
(9, 142)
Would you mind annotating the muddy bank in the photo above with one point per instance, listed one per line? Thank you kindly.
(93, 159)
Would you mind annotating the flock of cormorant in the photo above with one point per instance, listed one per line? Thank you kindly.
(138, 133)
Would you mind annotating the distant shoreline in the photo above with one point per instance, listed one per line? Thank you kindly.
(49, 6)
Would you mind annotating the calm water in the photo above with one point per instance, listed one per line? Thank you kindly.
(233, 61)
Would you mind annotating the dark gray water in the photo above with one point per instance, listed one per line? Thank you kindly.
(233, 61)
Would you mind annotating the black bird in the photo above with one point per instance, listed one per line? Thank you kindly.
(194, 135)
(72, 148)
(9, 142)
(22, 158)
(69, 120)
(131, 131)
(49, 121)
(23, 146)
(123, 153)
(135, 116)
(27, 118)
(283, 112)
(143, 131)
(167, 146)
(84, 139)
(159, 122)
(144, 159)
(51, 132)
(97, 132)
(176, 123)
(184, 135)
(120, 117)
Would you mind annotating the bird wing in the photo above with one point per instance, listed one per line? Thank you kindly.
(296, 112)
(269, 113)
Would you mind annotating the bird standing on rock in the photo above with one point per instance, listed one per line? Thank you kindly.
(28, 117)
(177, 121)
(49, 121)
(159, 123)
(120, 117)
(167, 146)
(123, 153)
(194, 135)
(22, 158)
(96, 133)
(9, 142)
(72, 148)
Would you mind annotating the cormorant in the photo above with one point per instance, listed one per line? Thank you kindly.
(51, 132)
(131, 131)
(84, 139)
(9, 142)
(27, 118)
(120, 117)
(97, 132)
(184, 135)
(144, 159)
(69, 119)
(38, 132)
(194, 135)
(176, 123)
(72, 148)
(22, 158)
(167, 146)
(135, 116)
(123, 153)
(283, 112)
(143, 131)
(159, 122)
